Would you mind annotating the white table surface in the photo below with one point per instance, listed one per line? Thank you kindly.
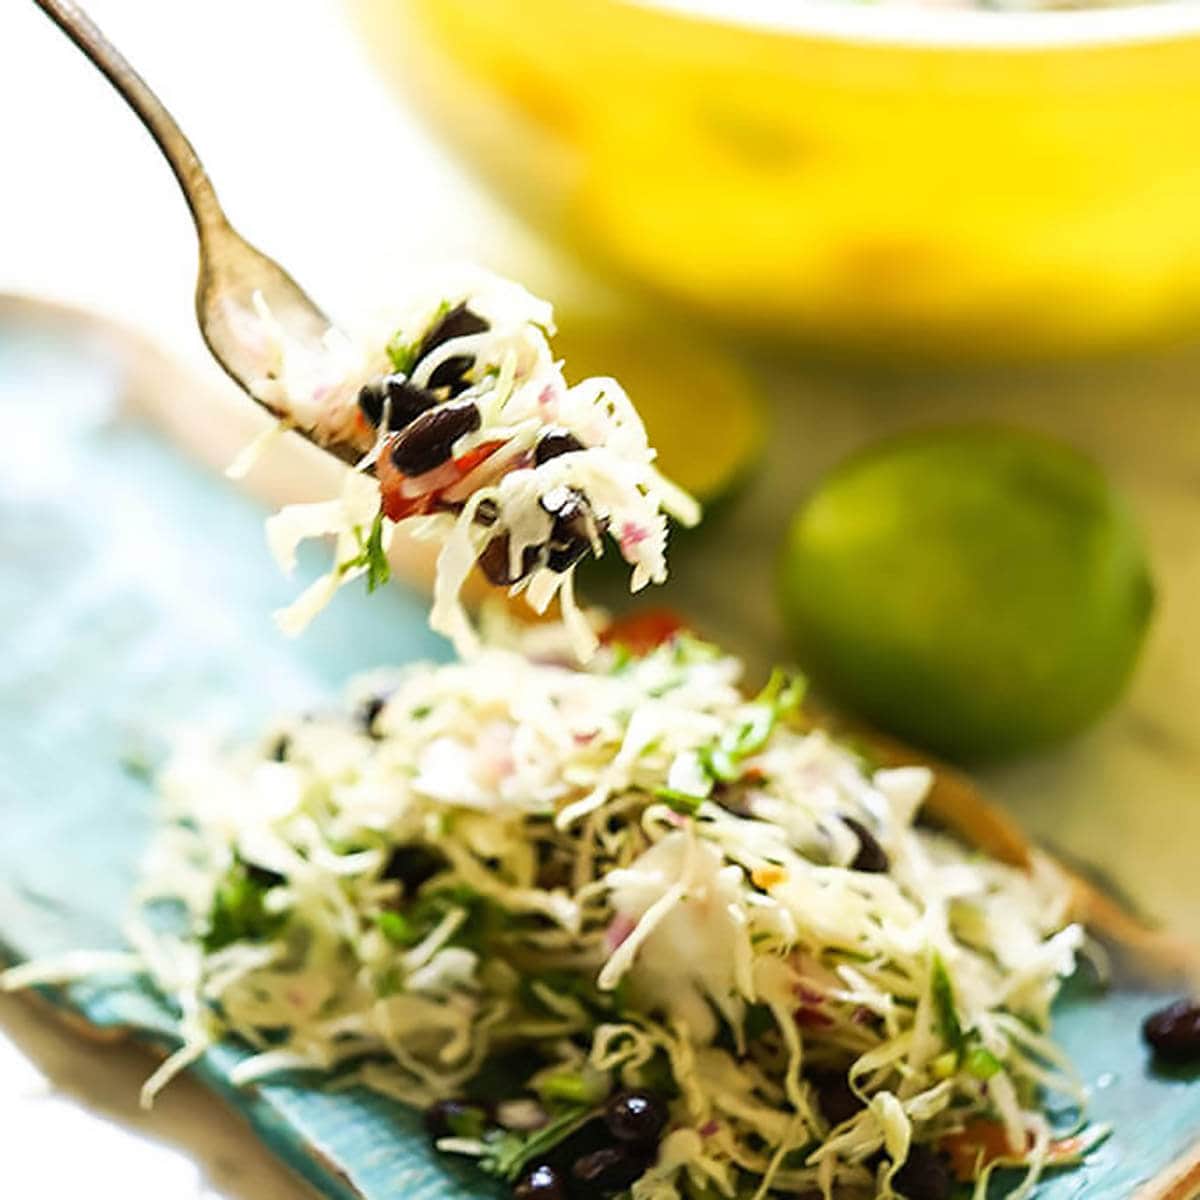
(316, 160)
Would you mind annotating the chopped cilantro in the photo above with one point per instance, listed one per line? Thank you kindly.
(945, 1065)
(403, 355)
(507, 1154)
(681, 802)
(379, 570)
(944, 1008)
(686, 649)
(577, 986)
(397, 928)
(982, 1063)
(574, 1087)
(622, 656)
(484, 917)
(778, 700)
(239, 910)
(371, 555)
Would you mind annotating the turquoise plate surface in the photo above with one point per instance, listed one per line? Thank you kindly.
(136, 590)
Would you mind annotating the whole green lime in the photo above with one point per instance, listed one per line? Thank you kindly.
(981, 592)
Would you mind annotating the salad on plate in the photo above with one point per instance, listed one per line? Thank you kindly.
(619, 926)
(618, 930)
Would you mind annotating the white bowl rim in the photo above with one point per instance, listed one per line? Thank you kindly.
(910, 26)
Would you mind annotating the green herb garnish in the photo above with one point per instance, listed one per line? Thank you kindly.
(402, 354)
(578, 987)
(948, 1023)
(239, 912)
(982, 1063)
(778, 700)
(683, 803)
(574, 1087)
(371, 555)
(507, 1154)
(397, 928)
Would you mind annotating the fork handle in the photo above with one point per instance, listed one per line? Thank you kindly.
(177, 150)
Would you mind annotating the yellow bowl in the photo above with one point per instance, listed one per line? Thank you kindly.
(955, 183)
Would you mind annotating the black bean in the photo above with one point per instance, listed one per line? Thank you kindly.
(574, 527)
(564, 555)
(368, 711)
(575, 518)
(636, 1115)
(371, 397)
(592, 1136)
(456, 1118)
(451, 375)
(554, 442)
(607, 1170)
(496, 563)
(835, 1097)
(1174, 1032)
(733, 798)
(871, 855)
(487, 512)
(542, 1182)
(404, 401)
(427, 442)
(460, 321)
(264, 877)
(413, 866)
(925, 1175)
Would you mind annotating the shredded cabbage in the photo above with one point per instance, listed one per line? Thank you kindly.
(632, 875)
(492, 488)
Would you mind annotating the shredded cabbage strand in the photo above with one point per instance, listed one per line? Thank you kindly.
(520, 393)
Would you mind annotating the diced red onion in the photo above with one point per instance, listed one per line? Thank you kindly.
(618, 930)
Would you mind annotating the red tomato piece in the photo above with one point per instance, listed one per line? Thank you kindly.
(643, 631)
(469, 461)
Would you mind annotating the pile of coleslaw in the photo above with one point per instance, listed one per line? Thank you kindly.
(629, 875)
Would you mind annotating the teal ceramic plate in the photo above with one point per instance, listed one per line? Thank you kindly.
(135, 593)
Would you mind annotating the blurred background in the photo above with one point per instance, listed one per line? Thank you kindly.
(793, 229)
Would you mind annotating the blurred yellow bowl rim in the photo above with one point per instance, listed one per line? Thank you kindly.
(958, 184)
